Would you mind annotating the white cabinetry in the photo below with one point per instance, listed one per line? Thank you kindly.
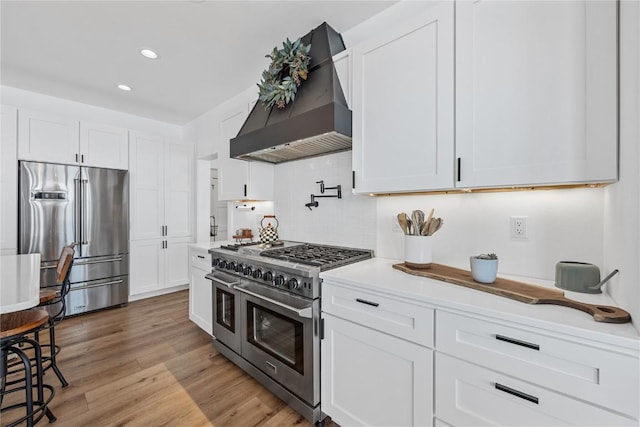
(8, 181)
(403, 106)
(200, 298)
(240, 179)
(161, 182)
(536, 92)
(50, 138)
(158, 264)
(369, 376)
(525, 377)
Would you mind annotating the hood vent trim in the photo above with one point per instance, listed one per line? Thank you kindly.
(318, 120)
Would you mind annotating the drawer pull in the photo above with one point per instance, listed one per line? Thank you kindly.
(516, 393)
(518, 342)
(364, 301)
(200, 256)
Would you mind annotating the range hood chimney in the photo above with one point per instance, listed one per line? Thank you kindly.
(318, 120)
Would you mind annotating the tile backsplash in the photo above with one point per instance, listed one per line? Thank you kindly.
(349, 221)
(562, 224)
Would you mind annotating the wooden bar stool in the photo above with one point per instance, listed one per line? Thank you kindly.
(14, 330)
(56, 306)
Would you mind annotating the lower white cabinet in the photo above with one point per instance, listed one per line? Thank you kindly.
(200, 301)
(374, 379)
(158, 264)
(469, 395)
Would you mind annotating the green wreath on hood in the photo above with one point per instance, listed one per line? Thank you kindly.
(280, 82)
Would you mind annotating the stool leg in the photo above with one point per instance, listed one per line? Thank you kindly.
(54, 363)
(27, 383)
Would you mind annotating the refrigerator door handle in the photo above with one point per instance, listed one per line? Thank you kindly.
(77, 234)
(84, 234)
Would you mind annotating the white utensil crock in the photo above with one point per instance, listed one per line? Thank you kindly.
(418, 251)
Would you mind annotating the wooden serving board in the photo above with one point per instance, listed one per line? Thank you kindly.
(523, 292)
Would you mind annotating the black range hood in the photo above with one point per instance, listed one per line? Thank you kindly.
(318, 120)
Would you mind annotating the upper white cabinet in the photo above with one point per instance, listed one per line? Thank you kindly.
(50, 138)
(403, 106)
(536, 92)
(161, 188)
(8, 181)
(104, 146)
(240, 179)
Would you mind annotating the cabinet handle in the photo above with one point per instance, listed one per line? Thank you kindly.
(516, 393)
(200, 256)
(245, 190)
(82, 158)
(364, 301)
(76, 157)
(353, 179)
(459, 173)
(518, 342)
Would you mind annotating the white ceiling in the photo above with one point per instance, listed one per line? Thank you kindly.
(209, 50)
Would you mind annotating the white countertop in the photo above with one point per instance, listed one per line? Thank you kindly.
(19, 282)
(206, 245)
(377, 274)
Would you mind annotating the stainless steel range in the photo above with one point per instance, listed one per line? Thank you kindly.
(266, 314)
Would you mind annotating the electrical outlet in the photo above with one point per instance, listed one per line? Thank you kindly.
(518, 227)
(395, 227)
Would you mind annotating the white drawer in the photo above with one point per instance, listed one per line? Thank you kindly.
(200, 258)
(604, 377)
(468, 395)
(392, 316)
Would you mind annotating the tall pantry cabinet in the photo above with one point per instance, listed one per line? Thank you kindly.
(161, 182)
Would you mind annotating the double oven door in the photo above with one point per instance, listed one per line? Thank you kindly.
(275, 331)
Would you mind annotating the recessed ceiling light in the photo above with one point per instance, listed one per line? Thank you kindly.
(124, 87)
(148, 53)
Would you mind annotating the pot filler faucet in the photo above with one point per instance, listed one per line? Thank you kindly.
(314, 203)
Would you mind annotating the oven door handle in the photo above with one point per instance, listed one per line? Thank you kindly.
(301, 312)
(212, 276)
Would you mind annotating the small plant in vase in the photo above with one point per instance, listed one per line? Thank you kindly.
(484, 267)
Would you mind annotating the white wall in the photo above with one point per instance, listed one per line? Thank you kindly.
(350, 221)
(622, 200)
(45, 103)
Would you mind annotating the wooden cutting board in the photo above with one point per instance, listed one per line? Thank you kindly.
(523, 292)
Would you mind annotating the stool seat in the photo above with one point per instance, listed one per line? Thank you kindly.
(21, 322)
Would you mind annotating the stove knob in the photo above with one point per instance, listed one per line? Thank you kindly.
(279, 280)
(257, 274)
(240, 268)
(248, 271)
(216, 261)
(231, 266)
(222, 264)
(293, 284)
(268, 276)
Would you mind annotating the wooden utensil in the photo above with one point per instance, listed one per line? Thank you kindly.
(432, 226)
(417, 217)
(523, 292)
(402, 220)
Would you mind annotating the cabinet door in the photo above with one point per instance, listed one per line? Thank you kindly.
(104, 146)
(147, 267)
(370, 378)
(200, 298)
(47, 138)
(9, 181)
(178, 190)
(536, 92)
(403, 106)
(261, 176)
(234, 174)
(147, 187)
(176, 259)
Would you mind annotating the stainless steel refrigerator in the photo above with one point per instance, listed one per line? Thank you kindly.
(61, 204)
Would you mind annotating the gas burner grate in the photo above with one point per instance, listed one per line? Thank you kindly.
(325, 257)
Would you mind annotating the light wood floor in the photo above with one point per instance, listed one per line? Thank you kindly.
(148, 365)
